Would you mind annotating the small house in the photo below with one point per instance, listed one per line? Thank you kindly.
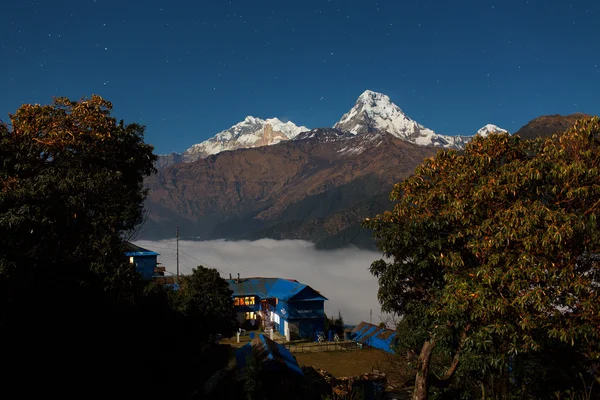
(145, 261)
(291, 308)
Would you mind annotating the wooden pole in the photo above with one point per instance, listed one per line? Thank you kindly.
(177, 238)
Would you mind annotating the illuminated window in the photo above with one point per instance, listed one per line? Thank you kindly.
(244, 301)
(251, 315)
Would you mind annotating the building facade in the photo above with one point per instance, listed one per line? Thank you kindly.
(289, 307)
(145, 260)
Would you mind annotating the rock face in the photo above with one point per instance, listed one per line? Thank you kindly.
(165, 160)
(548, 125)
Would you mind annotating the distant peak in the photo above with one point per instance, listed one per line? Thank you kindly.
(490, 128)
(371, 96)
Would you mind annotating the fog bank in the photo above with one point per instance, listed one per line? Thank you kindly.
(341, 275)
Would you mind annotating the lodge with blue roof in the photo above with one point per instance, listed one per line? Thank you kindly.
(291, 308)
(145, 260)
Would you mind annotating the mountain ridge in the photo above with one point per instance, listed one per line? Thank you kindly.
(372, 112)
(318, 186)
(249, 192)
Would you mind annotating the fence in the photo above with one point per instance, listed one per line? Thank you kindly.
(315, 347)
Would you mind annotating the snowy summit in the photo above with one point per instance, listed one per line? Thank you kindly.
(489, 128)
(376, 112)
(251, 132)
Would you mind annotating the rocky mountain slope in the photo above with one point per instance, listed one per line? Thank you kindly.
(318, 187)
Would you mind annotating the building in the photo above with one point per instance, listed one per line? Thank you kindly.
(145, 261)
(289, 307)
(374, 336)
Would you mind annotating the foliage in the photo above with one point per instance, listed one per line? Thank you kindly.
(78, 319)
(490, 252)
(206, 299)
(71, 188)
(335, 324)
(253, 378)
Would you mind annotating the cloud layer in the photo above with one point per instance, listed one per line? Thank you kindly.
(340, 275)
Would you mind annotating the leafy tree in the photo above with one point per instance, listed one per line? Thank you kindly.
(71, 187)
(339, 320)
(206, 298)
(490, 252)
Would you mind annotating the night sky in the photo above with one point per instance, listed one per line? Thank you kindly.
(189, 69)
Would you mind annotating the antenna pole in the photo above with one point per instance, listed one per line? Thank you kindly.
(177, 236)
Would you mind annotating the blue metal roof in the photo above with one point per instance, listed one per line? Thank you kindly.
(374, 336)
(282, 289)
(141, 254)
(132, 250)
(272, 355)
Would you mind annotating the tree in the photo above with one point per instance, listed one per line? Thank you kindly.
(489, 252)
(206, 298)
(71, 187)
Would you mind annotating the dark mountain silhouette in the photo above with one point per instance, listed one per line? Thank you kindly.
(547, 125)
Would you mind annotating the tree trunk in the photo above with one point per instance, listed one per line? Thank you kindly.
(444, 381)
(420, 392)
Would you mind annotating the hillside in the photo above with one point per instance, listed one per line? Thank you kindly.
(547, 125)
(316, 188)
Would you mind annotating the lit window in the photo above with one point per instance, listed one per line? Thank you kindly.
(251, 315)
(244, 301)
(131, 260)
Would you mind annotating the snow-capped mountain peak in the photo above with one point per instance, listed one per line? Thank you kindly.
(371, 97)
(251, 132)
(490, 128)
(375, 111)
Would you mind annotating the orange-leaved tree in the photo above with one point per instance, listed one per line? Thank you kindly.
(71, 186)
(491, 253)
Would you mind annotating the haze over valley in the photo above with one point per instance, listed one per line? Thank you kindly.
(341, 275)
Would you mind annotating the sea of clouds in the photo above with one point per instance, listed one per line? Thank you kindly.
(341, 275)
